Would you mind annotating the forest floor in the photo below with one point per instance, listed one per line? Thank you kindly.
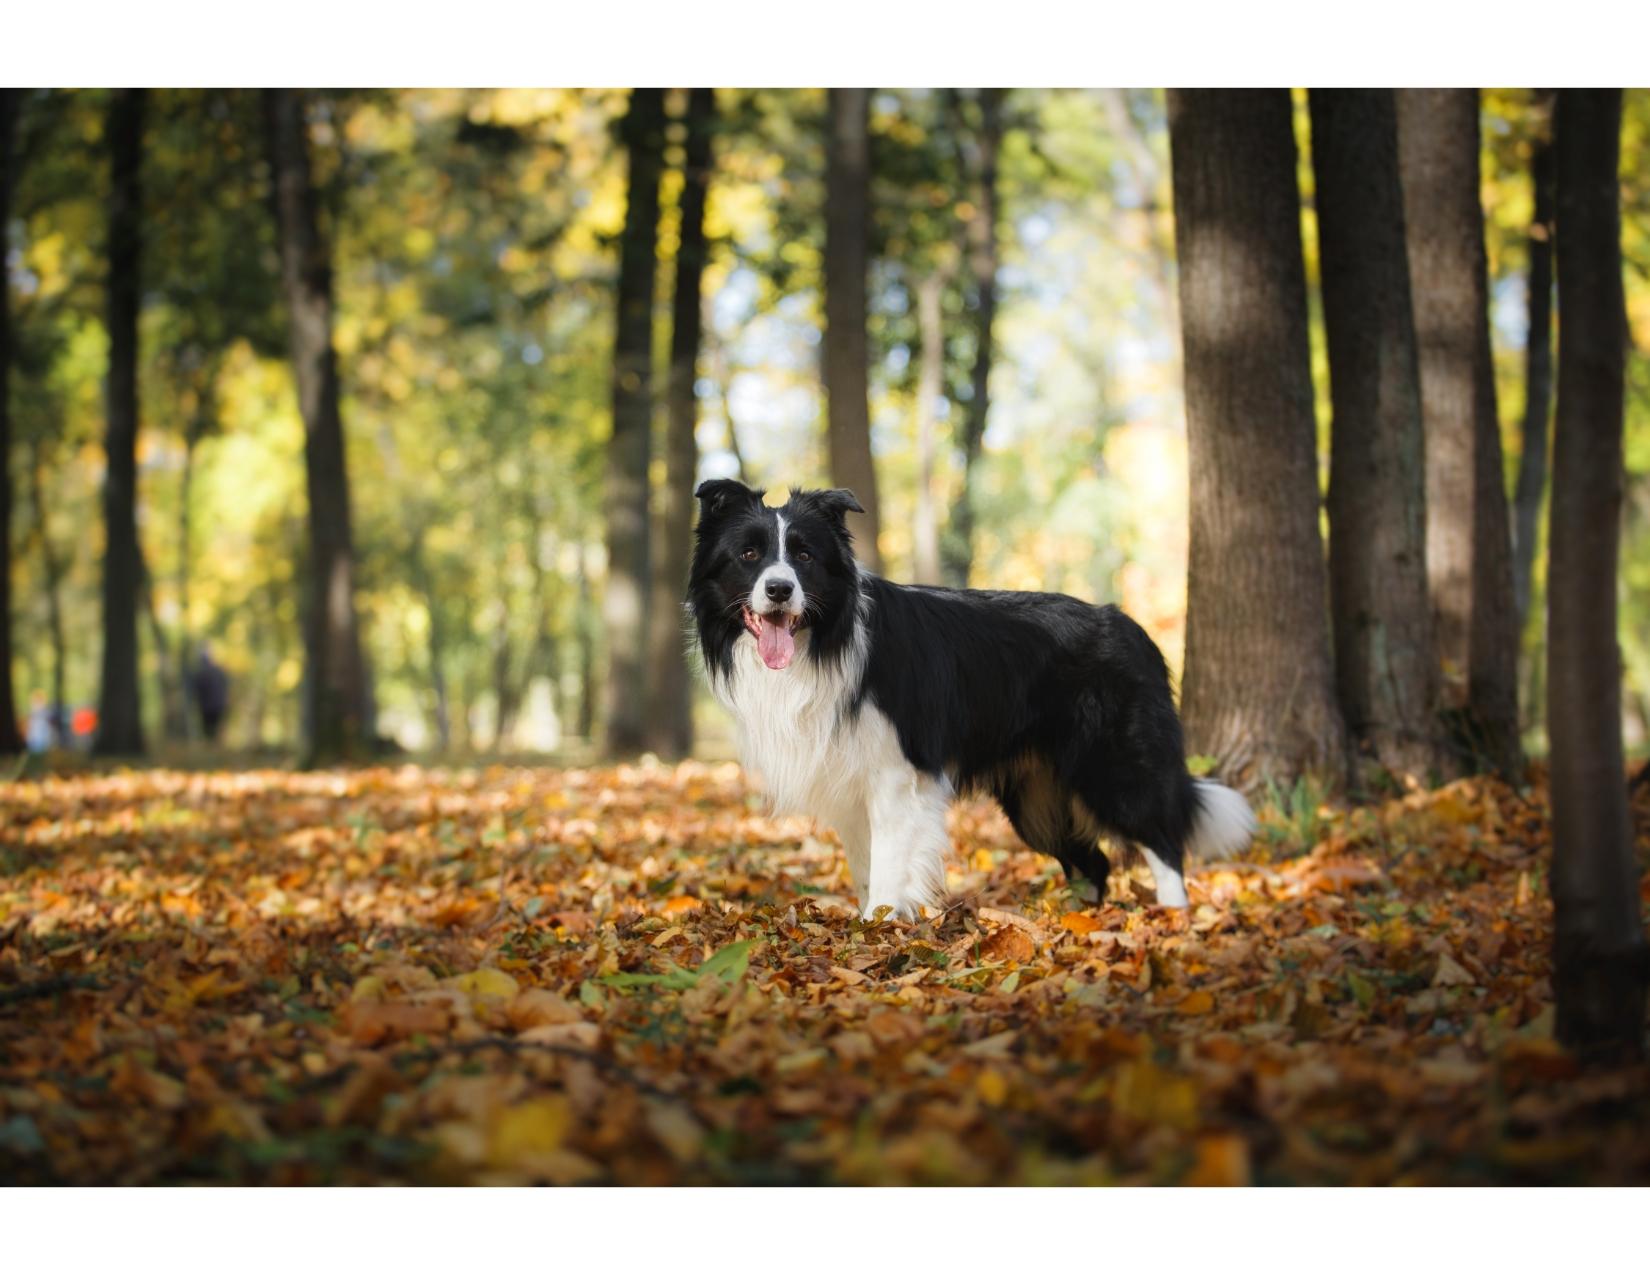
(633, 976)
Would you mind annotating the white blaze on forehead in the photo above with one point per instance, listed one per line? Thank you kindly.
(780, 570)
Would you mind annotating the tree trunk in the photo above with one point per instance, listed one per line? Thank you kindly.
(847, 362)
(925, 540)
(1538, 365)
(982, 265)
(173, 705)
(436, 642)
(337, 714)
(52, 569)
(11, 739)
(1468, 539)
(1377, 483)
(1600, 960)
(724, 390)
(120, 724)
(587, 650)
(670, 726)
(200, 421)
(624, 606)
(1258, 691)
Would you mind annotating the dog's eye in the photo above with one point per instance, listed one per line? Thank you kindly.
(750, 555)
(802, 555)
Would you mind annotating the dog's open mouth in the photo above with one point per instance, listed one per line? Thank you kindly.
(775, 636)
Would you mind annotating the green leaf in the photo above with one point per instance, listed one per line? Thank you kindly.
(730, 963)
(1361, 988)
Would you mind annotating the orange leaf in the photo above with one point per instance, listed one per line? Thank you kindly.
(1199, 1002)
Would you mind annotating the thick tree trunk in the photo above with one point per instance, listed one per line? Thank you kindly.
(670, 726)
(847, 362)
(925, 539)
(337, 715)
(1538, 365)
(1258, 691)
(120, 723)
(624, 605)
(1469, 541)
(982, 265)
(1600, 960)
(1377, 483)
(11, 739)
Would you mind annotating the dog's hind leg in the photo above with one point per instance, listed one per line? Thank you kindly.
(1040, 810)
(1169, 874)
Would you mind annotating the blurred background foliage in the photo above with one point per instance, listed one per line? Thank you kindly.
(474, 243)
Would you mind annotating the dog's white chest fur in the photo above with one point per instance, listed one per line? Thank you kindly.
(813, 754)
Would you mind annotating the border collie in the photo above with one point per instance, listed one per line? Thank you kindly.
(868, 705)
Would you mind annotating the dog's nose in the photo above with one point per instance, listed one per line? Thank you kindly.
(779, 590)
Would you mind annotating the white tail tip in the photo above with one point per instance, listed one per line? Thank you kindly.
(1222, 825)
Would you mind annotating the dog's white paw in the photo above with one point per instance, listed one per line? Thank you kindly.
(892, 910)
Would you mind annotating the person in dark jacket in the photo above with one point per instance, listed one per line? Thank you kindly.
(209, 686)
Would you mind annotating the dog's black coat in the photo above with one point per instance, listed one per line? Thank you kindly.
(1036, 698)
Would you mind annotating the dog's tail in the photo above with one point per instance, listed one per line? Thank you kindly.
(1222, 823)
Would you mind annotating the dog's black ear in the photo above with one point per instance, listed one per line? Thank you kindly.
(720, 495)
(839, 502)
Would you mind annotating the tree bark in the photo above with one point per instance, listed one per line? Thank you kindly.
(624, 605)
(587, 650)
(982, 265)
(1538, 365)
(723, 376)
(52, 569)
(436, 644)
(11, 739)
(1600, 960)
(670, 726)
(1377, 485)
(337, 714)
(847, 361)
(1468, 539)
(925, 539)
(120, 723)
(1258, 691)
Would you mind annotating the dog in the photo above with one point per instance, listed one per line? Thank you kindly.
(869, 705)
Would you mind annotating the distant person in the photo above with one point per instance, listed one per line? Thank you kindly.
(41, 733)
(209, 685)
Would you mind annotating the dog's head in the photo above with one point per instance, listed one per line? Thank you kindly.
(785, 579)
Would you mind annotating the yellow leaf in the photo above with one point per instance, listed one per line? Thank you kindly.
(1079, 923)
(485, 984)
(370, 988)
(991, 1087)
(528, 1129)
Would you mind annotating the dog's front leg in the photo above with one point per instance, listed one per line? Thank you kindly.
(855, 831)
(906, 810)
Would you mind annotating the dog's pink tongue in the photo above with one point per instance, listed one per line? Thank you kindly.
(775, 643)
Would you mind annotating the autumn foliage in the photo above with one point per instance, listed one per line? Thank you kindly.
(635, 976)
